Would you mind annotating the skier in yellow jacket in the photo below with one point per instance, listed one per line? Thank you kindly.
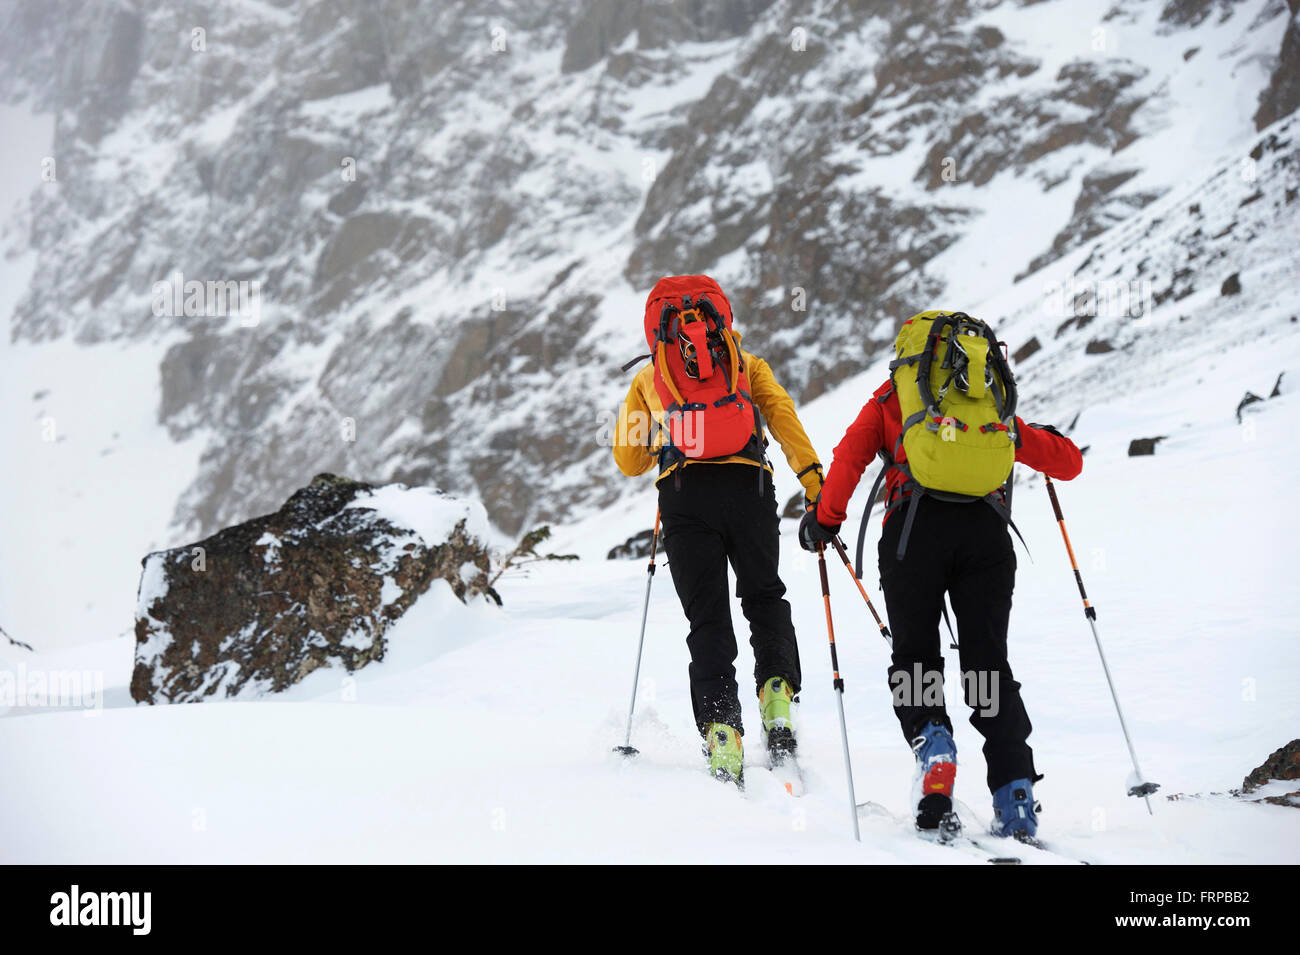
(717, 509)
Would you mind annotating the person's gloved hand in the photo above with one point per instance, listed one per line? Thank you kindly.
(812, 533)
(811, 479)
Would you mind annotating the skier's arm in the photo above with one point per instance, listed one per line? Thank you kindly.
(632, 453)
(1045, 449)
(862, 442)
(778, 409)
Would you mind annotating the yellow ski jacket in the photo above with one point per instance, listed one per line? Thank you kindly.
(637, 441)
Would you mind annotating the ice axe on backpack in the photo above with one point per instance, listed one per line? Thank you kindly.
(627, 749)
(1138, 786)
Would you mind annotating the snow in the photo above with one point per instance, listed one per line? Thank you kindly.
(217, 127)
(357, 640)
(94, 490)
(28, 139)
(1192, 118)
(95, 463)
(153, 583)
(347, 108)
(272, 545)
(484, 734)
(427, 511)
(390, 592)
(1196, 612)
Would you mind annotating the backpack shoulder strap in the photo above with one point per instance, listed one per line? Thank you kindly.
(917, 493)
(866, 514)
(1004, 511)
(888, 462)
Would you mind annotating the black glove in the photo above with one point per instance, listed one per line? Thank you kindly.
(812, 533)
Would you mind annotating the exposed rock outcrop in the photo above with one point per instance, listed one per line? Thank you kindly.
(1283, 93)
(1139, 447)
(256, 607)
(1102, 203)
(636, 546)
(1282, 764)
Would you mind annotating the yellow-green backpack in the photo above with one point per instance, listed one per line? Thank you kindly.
(957, 398)
(958, 403)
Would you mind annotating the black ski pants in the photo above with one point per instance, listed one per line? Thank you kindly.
(965, 550)
(714, 515)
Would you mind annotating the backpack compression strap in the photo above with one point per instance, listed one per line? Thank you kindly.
(735, 358)
(665, 334)
(1005, 399)
(661, 363)
(928, 401)
(707, 307)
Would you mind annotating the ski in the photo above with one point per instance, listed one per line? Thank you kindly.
(965, 842)
(788, 774)
(1032, 843)
(989, 842)
(949, 834)
(781, 761)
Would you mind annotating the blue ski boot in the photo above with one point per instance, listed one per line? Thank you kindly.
(933, 780)
(1015, 812)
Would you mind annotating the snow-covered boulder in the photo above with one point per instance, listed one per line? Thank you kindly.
(256, 607)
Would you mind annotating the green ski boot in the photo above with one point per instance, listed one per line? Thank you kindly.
(774, 698)
(726, 753)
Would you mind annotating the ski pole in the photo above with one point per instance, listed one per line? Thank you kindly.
(838, 685)
(844, 556)
(627, 749)
(1142, 788)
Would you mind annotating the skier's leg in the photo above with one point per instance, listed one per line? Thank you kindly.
(698, 564)
(913, 589)
(981, 588)
(753, 547)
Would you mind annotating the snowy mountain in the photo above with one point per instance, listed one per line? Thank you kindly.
(451, 211)
(447, 217)
(1191, 577)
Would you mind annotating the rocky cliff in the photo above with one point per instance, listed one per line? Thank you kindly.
(422, 231)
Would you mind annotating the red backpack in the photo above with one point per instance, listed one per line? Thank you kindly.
(699, 372)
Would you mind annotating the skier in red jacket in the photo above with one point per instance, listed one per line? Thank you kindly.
(964, 550)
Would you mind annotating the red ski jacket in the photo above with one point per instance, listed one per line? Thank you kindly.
(878, 426)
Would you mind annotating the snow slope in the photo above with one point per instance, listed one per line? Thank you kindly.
(86, 460)
(91, 466)
(497, 747)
